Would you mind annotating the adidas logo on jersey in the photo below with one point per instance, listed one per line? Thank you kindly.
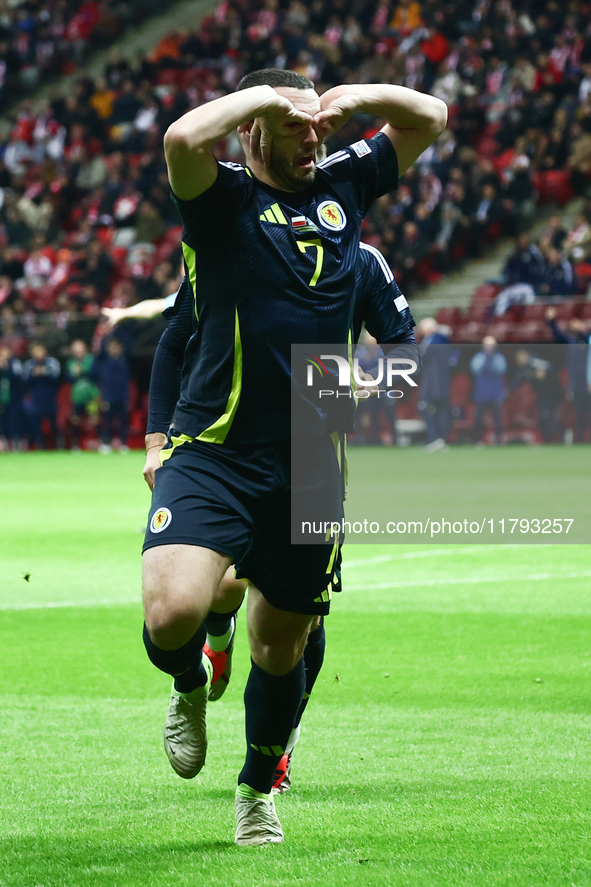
(274, 215)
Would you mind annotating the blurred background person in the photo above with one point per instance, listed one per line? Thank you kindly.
(10, 399)
(111, 371)
(488, 368)
(434, 383)
(543, 378)
(84, 393)
(40, 376)
(576, 337)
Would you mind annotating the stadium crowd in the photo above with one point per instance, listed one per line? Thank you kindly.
(49, 39)
(85, 216)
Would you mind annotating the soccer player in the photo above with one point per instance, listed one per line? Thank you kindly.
(223, 493)
(384, 310)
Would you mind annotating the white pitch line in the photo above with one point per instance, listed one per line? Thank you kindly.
(56, 605)
(468, 580)
(437, 552)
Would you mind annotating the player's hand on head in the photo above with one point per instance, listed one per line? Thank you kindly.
(335, 110)
(282, 119)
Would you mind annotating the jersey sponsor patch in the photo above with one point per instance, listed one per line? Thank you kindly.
(361, 148)
(160, 520)
(331, 215)
(401, 303)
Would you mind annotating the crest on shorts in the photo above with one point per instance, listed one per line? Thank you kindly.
(160, 520)
(331, 215)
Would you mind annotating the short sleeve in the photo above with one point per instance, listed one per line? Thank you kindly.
(226, 195)
(370, 164)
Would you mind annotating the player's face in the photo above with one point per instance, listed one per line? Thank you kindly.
(298, 148)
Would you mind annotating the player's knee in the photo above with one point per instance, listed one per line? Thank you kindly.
(171, 623)
(281, 655)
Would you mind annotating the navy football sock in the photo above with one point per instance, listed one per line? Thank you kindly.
(313, 659)
(183, 664)
(217, 624)
(271, 706)
(219, 627)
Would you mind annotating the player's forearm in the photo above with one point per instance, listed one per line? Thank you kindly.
(155, 439)
(201, 128)
(403, 108)
(165, 385)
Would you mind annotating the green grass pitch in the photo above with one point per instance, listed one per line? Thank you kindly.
(446, 743)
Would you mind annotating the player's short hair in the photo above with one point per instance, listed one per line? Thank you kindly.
(275, 77)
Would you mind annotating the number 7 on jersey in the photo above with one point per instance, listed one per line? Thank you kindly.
(302, 245)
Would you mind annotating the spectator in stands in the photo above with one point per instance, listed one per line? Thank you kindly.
(558, 278)
(488, 211)
(40, 377)
(579, 161)
(94, 267)
(488, 368)
(111, 371)
(38, 267)
(525, 264)
(577, 339)
(554, 235)
(84, 394)
(577, 243)
(413, 247)
(407, 17)
(434, 383)
(149, 225)
(11, 425)
(11, 264)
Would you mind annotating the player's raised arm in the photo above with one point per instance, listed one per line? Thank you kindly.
(414, 118)
(192, 168)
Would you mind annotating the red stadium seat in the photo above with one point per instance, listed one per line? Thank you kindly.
(450, 316)
(537, 311)
(470, 333)
(480, 312)
(487, 291)
(554, 185)
(459, 392)
(534, 331)
(501, 330)
(566, 310)
(583, 276)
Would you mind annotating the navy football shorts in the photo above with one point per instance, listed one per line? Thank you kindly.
(239, 503)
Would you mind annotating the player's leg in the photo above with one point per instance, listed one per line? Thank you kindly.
(220, 625)
(272, 698)
(197, 527)
(179, 584)
(313, 659)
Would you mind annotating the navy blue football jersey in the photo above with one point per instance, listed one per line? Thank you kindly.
(268, 268)
(378, 303)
